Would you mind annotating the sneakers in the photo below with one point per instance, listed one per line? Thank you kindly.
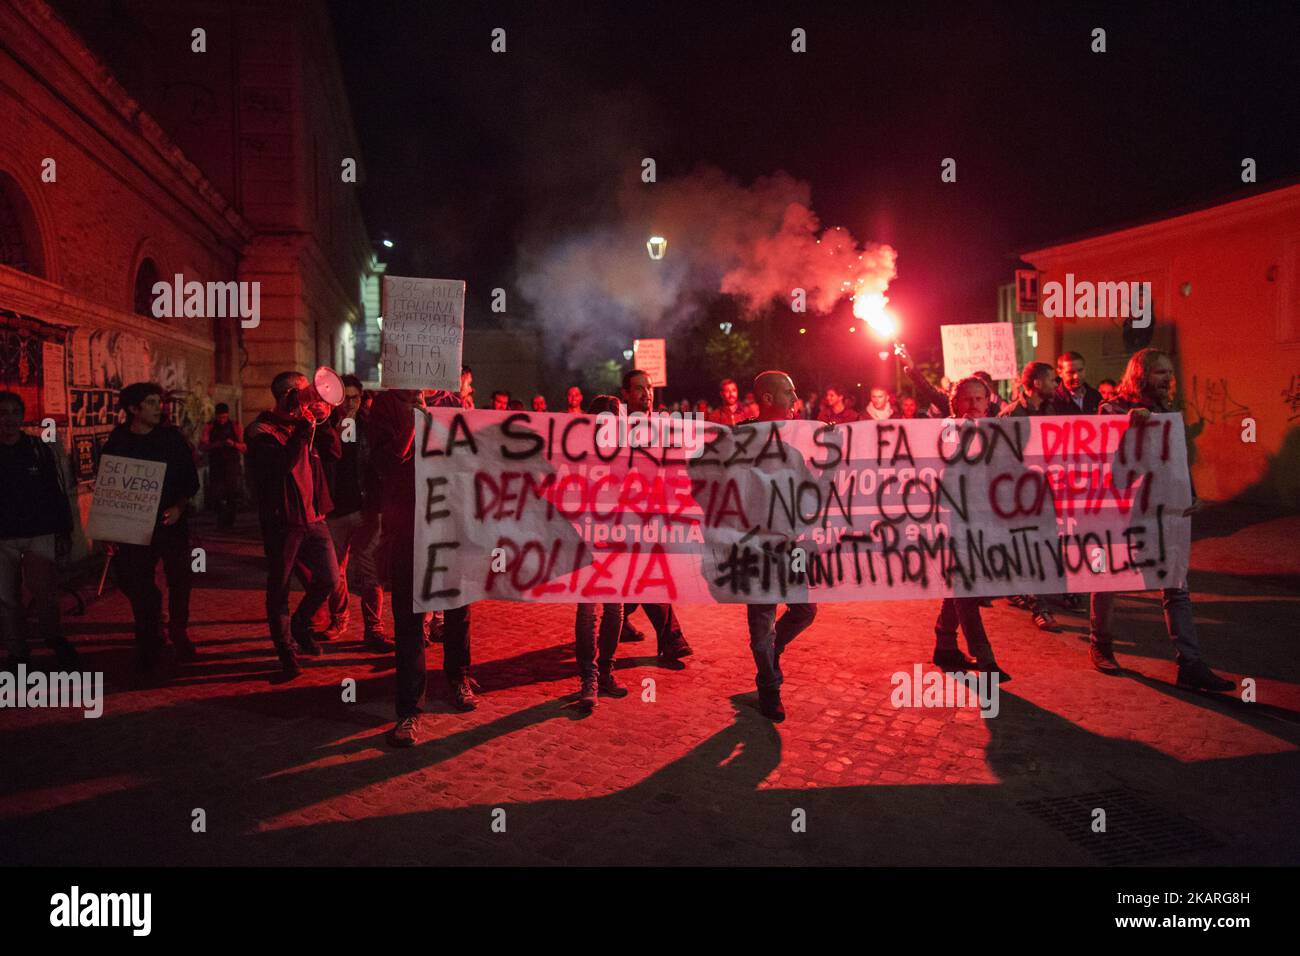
(610, 687)
(1103, 658)
(1017, 600)
(952, 660)
(629, 634)
(289, 665)
(302, 636)
(334, 631)
(378, 643)
(588, 697)
(675, 648)
(462, 693)
(769, 705)
(991, 667)
(1197, 676)
(405, 733)
(1046, 622)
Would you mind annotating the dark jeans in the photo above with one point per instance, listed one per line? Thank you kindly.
(365, 554)
(286, 546)
(766, 633)
(1178, 620)
(966, 613)
(409, 625)
(664, 621)
(586, 643)
(136, 564)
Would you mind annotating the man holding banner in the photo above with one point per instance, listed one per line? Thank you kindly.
(768, 637)
(144, 437)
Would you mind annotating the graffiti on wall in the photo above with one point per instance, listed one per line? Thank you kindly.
(1213, 404)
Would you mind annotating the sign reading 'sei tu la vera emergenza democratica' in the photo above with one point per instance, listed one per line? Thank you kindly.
(422, 332)
(128, 492)
(533, 506)
(979, 347)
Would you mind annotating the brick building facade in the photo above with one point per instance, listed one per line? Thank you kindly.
(1225, 291)
(144, 159)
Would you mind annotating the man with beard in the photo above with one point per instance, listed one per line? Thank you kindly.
(730, 412)
(638, 395)
(1145, 390)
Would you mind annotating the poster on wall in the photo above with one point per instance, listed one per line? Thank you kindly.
(55, 390)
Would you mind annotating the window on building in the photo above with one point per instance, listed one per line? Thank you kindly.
(145, 278)
(20, 246)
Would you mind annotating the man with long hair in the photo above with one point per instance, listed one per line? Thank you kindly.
(1145, 390)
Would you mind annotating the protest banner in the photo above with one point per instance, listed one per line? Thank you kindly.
(422, 333)
(127, 494)
(979, 347)
(574, 508)
(651, 357)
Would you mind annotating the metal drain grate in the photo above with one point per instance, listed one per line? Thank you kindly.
(1136, 831)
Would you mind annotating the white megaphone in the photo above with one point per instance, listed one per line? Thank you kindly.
(326, 386)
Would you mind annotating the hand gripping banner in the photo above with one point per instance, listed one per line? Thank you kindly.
(575, 508)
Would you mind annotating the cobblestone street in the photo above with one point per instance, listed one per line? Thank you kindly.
(290, 774)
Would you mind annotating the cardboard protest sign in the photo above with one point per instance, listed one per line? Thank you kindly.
(574, 508)
(651, 357)
(979, 347)
(422, 333)
(127, 494)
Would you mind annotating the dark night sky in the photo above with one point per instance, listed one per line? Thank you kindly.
(467, 152)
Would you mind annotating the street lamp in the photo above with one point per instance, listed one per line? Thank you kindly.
(656, 246)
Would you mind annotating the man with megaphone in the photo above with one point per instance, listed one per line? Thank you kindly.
(293, 499)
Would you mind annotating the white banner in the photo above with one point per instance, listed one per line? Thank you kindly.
(979, 347)
(422, 333)
(127, 494)
(570, 508)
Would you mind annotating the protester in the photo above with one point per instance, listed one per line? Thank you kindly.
(595, 655)
(347, 521)
(516, 405)
(144, 436)
(539, 403)
(223, 442)
(1146, 389)
(466, 389)
(970, 401)
(293, 500)
(933, 402)
(638, 395)
(574, 399)
(768, 637)
(392, 456)
(834, 410)
(500, 401)
(1107, 389)
(730, 412)
(702, 409)
(880, 406)
(995, 401)
(35, 533)
(907, 407)
(1074, 396)
(1038, 383)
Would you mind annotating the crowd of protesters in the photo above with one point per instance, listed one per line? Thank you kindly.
(335, 496)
